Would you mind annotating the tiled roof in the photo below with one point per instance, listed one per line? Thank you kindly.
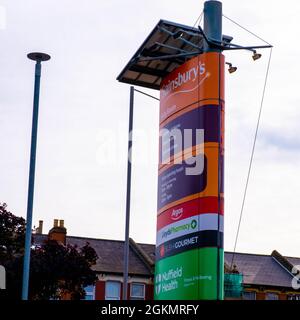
(260, 269)
(264, 270)
(294, 261)
(110, 253)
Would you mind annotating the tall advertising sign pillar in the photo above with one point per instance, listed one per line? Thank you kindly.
(190, 223)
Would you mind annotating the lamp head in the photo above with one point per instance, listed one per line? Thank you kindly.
(178, 34)
(38, 56)
(231, 68)
(256, 56)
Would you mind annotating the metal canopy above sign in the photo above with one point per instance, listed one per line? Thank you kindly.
(168, 46)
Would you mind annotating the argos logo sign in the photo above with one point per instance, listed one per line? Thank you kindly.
(177, 214)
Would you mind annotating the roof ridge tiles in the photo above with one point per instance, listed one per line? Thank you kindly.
(146, 259)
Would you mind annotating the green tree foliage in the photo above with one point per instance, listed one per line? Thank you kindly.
(12, 234)
(56, 271)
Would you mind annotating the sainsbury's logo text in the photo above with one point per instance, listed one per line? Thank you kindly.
(181, 78)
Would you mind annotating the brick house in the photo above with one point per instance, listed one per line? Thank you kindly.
(109, 267)
(265, 277)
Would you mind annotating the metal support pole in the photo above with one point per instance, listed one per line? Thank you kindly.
(212, 22)
(38, 57)
(126, 244)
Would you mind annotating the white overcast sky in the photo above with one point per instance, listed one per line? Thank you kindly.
(81, 156)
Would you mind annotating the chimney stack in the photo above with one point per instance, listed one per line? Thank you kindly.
(58, 232)
(39, 229)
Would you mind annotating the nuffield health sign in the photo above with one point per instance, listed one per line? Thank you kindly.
(189, 243)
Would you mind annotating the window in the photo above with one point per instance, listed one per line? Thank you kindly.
(112, 290)
(271, 296)
(89, 293)
(2, 278)
(249, 295)
(293, 297)
(137, 291)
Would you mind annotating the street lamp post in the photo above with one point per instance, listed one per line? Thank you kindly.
(128, 193)
(38, 57)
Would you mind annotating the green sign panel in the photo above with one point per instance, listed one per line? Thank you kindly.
(190, 275)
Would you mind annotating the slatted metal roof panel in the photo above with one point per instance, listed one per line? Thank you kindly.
(168, 46)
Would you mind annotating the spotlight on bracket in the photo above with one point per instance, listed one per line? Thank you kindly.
(178, 34)
(231, 69)
(256, 55)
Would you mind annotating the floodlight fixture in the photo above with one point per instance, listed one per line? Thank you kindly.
(256, 56)
(231, 68)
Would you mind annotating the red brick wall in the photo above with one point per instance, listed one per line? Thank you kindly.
(57, 236)
(100, 290)
(260, 296)
(149, 295)
(282, 296)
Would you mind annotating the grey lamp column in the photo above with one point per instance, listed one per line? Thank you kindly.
(127, 222)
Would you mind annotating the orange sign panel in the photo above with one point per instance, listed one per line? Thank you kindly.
(195, 81)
